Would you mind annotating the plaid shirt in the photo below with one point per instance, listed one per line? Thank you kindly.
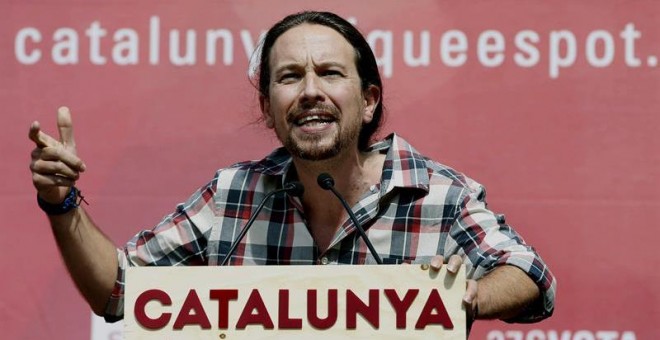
(420, 209)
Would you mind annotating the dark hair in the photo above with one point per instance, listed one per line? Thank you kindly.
(364, 59)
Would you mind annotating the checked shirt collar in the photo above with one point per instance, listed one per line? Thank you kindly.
(404, 169)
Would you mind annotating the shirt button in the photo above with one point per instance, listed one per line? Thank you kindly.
(324, 260)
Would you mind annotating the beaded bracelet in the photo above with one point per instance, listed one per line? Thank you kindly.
(71, 201)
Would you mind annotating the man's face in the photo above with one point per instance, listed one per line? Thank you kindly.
(316, 104)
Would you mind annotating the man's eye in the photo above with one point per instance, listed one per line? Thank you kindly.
(331, 73)
(288, 77)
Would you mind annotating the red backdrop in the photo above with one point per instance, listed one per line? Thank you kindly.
(553, 106)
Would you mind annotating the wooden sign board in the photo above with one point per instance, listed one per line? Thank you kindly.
(294, 302)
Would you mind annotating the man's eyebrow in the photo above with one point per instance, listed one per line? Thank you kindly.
(279, 70)
(287, 67)
(294, 65)
(327, 64)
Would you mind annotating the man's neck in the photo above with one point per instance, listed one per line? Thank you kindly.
(353, 174)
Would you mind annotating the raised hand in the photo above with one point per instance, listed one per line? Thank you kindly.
(55, 166)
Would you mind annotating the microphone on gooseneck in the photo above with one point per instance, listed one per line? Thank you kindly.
(292, 188)
(326, 182)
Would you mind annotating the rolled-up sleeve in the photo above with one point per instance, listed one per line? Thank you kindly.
(488, 243)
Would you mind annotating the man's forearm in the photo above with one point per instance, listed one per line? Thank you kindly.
(89, 255)
(505, 293)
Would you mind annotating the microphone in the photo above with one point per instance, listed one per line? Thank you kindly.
(326, 182)
(292, 188)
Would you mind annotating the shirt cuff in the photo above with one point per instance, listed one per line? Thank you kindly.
(114, 309)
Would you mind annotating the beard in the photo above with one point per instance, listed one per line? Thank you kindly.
(312, 148)
(318, 148)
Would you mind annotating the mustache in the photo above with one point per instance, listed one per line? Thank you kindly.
(318, 108)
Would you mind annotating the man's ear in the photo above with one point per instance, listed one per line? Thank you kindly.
(371, 99)
(264, 104)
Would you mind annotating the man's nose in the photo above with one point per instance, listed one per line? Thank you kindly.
(312, 91)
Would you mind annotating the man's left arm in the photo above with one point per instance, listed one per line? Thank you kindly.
(505, 293)
(508, 280)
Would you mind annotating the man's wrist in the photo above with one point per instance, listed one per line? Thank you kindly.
(71, 201)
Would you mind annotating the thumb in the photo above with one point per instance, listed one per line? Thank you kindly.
(470, 297)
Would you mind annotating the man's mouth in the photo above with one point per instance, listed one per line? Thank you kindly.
(314, 119)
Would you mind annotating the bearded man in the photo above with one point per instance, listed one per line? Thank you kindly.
(321, 93)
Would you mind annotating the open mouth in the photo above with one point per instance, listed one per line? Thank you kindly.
(314, 119)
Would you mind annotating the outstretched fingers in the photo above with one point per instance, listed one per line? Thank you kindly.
(65, 126)
(39, 138)
(55, 162)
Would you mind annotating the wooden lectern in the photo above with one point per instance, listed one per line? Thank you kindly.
(294, 302)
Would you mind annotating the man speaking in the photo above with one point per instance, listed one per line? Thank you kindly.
(321, 92)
